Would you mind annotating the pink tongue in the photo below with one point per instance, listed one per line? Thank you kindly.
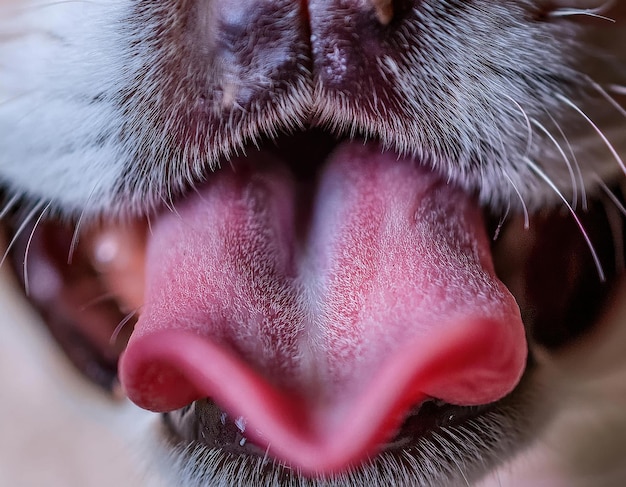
(323, 334)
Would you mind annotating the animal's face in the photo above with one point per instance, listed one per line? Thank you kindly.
(335, 299)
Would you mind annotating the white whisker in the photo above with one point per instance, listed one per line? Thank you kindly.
(170, 206)
(584, 233)
(618, 89)
(149, 220)
(576, 165)
(496, 233)
(573, 179)
(21, 228)
(608, 97)
(521, 198)
(122, 324)
(9, 205)
(529, 127)
(571, 12)
(76, 234)
(604, 138)
(614, 211)
(620, 206)
(589, 12)
(26, 251)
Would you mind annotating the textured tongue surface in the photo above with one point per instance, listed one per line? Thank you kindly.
(322, 323)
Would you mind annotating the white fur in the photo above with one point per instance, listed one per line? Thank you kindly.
(61, 56)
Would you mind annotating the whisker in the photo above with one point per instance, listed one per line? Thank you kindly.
(604, 138)
(618, 89)
(27, 250)
(76, 234)
(21, 228)
(574, 182)
(616, 223)
(171, 207)
(122, 324)
(110, 296)
(149, 220)
(451, 433)
(584, 233)
(458, 466)
(620, 206)
(615, 218)
(521, 198)
(496, 233)
(265, 458)
(9, 205)
(529, 127)
(608, 97)
(589, 12)
(571, 12)
(576, 165)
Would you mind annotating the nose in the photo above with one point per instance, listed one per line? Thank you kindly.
(359, 52)
(254, 55)
(241, 54)
(349, 39)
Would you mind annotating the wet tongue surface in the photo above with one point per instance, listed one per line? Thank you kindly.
(322, 327)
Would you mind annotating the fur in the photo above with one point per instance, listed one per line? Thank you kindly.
(107, 112)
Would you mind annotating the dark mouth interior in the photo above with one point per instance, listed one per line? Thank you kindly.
(548, 268)
(205, 423)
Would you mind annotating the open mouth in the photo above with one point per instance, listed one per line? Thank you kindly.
(333, 299)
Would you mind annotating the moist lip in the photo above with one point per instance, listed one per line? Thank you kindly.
(203, 422)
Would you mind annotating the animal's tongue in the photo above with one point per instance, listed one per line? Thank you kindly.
(322, 327)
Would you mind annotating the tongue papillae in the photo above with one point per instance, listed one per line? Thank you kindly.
(323, 319)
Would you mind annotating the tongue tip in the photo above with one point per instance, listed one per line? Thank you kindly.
(158, 376)
(478, 361)
(151, 377)
(168, 369)
(483, 361)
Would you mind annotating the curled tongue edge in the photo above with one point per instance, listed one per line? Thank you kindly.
(431, 318)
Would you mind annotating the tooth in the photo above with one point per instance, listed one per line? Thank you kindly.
(384, 10)
(240, 422)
